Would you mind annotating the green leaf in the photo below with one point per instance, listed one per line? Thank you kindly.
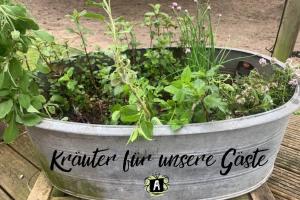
(41, 67)
(115, 116)
(213, 101)
(171, 89)
(118, 89)
(179, 96)
(199, 85)
(71, 85)
(43, 35)
(11, 132)
(186, 75)
(147, 130)
(155, 121)
(4, 93)
(31, 119)
(24, 100)
(91, 15)
(134, 135)
(32, 109)
(129, 113)
(5, 108)
(37, 101)
(57, 98)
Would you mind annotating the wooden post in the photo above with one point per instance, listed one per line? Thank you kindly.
(288, 31)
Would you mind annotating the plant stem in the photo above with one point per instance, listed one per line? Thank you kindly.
(121, 63)
(86, 55)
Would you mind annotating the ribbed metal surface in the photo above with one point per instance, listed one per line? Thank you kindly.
(263, 131)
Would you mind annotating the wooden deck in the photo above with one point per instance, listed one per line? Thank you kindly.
(19, 169)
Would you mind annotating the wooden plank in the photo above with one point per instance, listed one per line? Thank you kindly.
(294, 119)
(288, 159)
(25, 148)
(243, 197)
(278, 197)
(41, 189)
(295, 128)
(3, 195)
(65, 198)
(287, 176)
(282, 192)
(262, 193)
(16, 173)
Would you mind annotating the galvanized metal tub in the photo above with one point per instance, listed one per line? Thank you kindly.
(262, 131)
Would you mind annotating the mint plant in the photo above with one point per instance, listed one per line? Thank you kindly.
(20, 100)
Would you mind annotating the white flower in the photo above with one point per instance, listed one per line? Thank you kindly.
(195, 1)
(293, 82)
(265, 89)
(219, 15)
(187, 50)
(241, 101)
(273, 60)
(179, 8)
(289, 62)
(208, 8)
(297, 73)
(237, 97)
(186, 11)
(263, 62)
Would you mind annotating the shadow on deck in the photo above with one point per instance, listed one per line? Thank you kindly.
(19, 169)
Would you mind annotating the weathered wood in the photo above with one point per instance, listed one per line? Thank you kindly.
(65, 198)
(294, 119)
(290, 142)
(16, 173)
(282, 193)
(288, 31)
(243, 197)
(288, 159)
(25, 148)
(262, 193)
(41, 189)
(3, 195)
(285, 180)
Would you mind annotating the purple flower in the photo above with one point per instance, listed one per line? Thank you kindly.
(174, 4)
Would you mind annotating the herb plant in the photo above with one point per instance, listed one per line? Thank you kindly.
(178, 80)
(20, 100)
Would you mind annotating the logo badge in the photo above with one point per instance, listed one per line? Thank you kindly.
(156, 185)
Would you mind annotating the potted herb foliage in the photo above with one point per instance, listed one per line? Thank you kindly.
(214, 117)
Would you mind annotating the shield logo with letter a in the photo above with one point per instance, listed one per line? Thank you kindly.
(156, 185)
